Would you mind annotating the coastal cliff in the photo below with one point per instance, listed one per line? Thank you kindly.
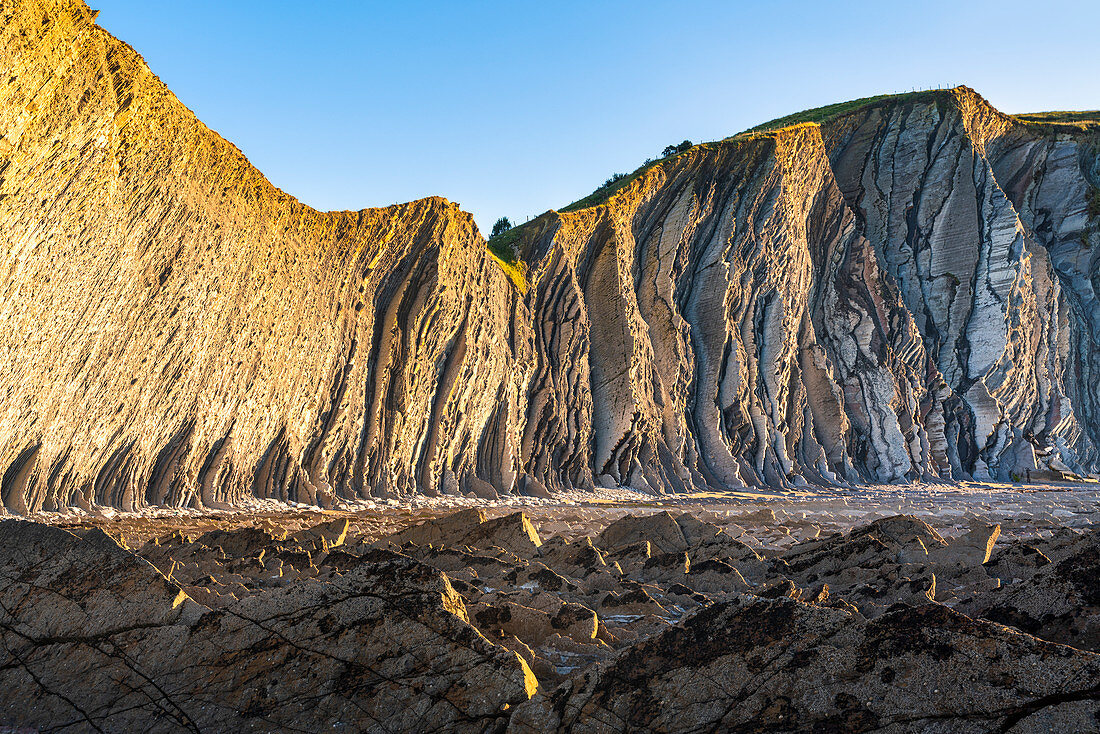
(903, 290)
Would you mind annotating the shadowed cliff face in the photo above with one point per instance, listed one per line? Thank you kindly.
(905, 292)
(983, 225)
(684, 306)
(900, 294)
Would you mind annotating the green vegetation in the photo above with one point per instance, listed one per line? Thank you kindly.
(502, 225)
(503, 243)
(502, 246)
(620, 180)
(503, 249)
(817, 115)
(1093, 206)
(1064, 121)
(505, 240)
(674, 149)
(833, 111)
(603, 193)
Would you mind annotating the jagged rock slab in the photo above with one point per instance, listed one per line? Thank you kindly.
(469, 528)
(757, 665)
(454, 625)
(1059, 600)
(95, 638)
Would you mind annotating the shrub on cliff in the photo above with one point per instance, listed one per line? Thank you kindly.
(674, 149)
(1094, 203)
(615, 178)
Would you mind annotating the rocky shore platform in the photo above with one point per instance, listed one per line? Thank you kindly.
(932, 608)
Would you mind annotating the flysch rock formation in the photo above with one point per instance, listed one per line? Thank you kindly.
(861, 300)
(664, 621)
(903, 292)
(178, 331)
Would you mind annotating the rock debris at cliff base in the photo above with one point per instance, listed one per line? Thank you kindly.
(904, 292)
(826, 612)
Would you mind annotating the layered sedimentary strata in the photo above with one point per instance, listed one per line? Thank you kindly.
(983, 224)
(856, 301)
(178, 331)
(384, 647)
(903, 292)
(701, 296)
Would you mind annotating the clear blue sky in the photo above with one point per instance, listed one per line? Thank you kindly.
(510, 108)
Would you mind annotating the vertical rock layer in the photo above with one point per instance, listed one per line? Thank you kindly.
(178, 331)
(906, 291)
(982, 224)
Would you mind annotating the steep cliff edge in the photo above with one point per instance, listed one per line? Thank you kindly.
(178, 331)
(904, 291)
(987, 226)
(674, 323)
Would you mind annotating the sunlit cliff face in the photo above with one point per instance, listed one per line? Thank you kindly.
(897, 293)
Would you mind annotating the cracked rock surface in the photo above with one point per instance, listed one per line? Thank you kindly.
(751, 664)
(95, 638)
(568, 619)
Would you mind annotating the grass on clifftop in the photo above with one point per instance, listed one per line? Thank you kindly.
(830, 112)
(504, 244)
(816, 115)
(1086, 120)
(604, 192)
(505, 247)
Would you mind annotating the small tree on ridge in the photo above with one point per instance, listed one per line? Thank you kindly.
(674, 149)
(502, 225)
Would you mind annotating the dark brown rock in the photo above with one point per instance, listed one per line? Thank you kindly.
(758, 665)
(386, 646)
(1059, 601)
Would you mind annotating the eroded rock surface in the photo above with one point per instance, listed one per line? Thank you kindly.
(751, 664)
(1050, 589)
(475, 622)
(900, 293)
(95, 638)
(180, 332)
